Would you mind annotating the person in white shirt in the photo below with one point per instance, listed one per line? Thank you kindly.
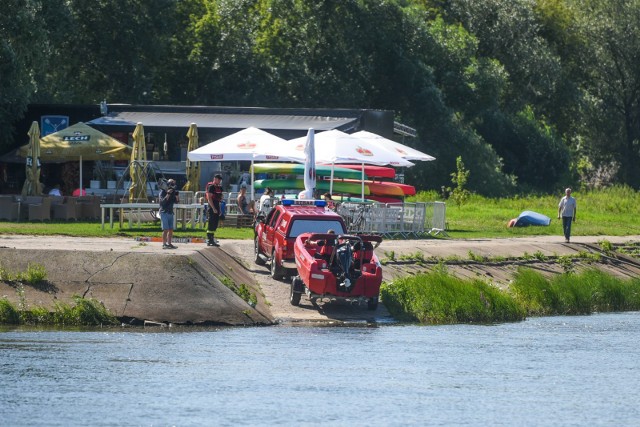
(567, 211)
(264, 204)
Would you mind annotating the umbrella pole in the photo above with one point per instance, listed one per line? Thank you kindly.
(331, 181)
(80, 187)
(252, 181)
(362, 182)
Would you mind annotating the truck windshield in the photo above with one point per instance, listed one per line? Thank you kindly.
(300, 226)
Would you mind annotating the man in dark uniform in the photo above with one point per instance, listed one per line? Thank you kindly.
(214, 197)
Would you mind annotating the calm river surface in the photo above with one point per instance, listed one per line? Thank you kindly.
(555, 371)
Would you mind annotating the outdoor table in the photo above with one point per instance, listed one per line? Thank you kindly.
(181, 211)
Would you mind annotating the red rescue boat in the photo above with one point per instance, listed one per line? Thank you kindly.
(337, 267)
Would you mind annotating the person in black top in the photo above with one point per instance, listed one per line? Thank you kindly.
(243, 204)
(214, 197)
(168, 196)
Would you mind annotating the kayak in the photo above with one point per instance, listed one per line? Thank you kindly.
(354, 187)
(387, 188)
(372, 171)
(298, 169)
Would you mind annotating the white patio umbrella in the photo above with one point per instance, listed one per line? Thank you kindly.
(251, 144)
(310, 165)
(404, 151)
(334, 146)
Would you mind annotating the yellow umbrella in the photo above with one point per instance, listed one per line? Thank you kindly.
(193, 168)
(79, 142)
(32, 186)
(137, 167)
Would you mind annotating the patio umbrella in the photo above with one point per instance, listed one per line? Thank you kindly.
(193, 168)
(251, 144)
(32, 186)
(310, 165)
(79, 142)
(137, 169)
(404, 151)
(335, 147)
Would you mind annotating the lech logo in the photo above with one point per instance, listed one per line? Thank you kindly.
(52, 124)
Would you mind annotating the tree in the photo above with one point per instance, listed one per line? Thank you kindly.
(611, 30)
(22, 48)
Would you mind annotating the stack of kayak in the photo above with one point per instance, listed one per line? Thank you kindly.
(347, 180)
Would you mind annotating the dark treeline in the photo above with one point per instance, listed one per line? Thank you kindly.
(533, 94)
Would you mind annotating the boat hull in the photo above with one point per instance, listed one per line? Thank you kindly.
(322, 274)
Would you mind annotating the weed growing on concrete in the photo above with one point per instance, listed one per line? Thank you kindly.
(9, 315)
(477, 258)
(83, 312)
(566, 262)
(242, 291)
(35, 274)
(606, 246)
(540, 256)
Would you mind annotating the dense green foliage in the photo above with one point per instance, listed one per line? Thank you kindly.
(439, 297)
(533, 94)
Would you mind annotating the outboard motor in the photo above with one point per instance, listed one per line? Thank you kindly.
(344, 260)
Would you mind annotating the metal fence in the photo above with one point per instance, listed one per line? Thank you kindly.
(394, 219)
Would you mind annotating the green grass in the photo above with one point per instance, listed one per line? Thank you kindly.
(94, 229)
(608, 212)
(82, 312)
(439, 297)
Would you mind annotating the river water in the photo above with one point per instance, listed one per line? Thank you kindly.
(554, 371)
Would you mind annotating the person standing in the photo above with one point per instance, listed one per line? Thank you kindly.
(264, 204)
(567, 211)
(214, 197)
(243, 204)
(167, 197)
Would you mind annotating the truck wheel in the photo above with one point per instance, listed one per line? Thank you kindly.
(258, 259)
(296, 283)
(372, 304)
(276, 271)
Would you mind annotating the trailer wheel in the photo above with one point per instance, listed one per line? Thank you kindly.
(258, 259)
(296, 284)
(372, 304)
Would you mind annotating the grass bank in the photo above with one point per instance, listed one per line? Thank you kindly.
(607, 212)
(83, 311)
(441, 298)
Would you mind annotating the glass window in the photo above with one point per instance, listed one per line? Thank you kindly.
(300, 226)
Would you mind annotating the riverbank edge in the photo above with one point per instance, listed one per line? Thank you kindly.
(195, 287)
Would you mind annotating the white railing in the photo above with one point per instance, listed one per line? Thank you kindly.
(394, 219)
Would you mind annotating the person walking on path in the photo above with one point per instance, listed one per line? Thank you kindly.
(167, 197)
(214, 197)
(567, 211)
